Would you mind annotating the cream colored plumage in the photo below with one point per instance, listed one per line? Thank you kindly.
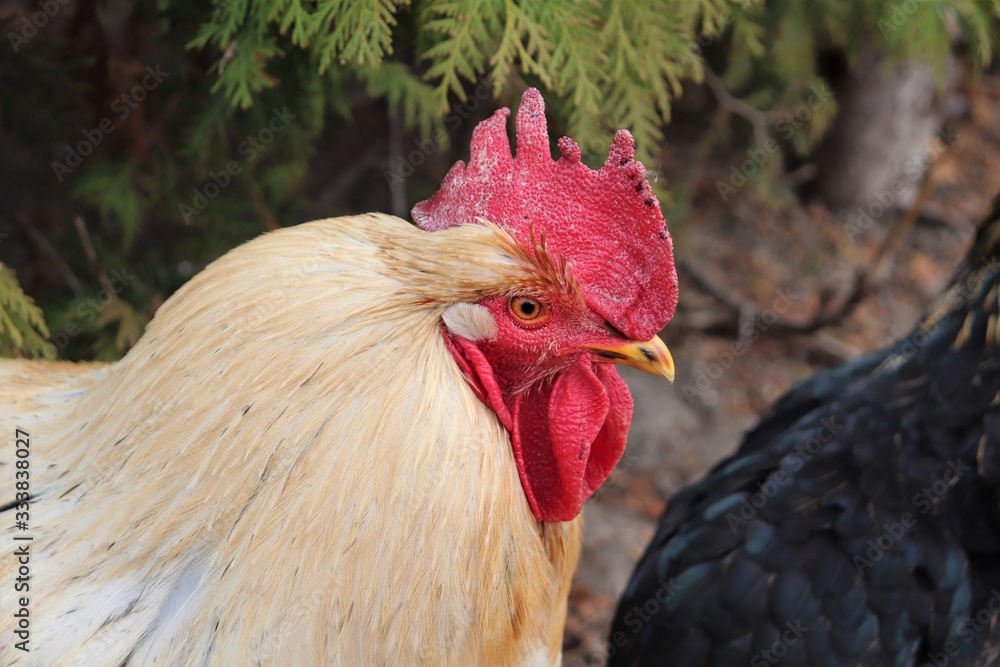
(289, 469)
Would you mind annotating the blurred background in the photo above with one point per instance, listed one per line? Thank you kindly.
(821, 166)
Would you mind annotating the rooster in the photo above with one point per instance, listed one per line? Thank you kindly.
(858, 523)
(351, 442)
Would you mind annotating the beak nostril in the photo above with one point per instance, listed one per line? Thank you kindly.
(651, 355)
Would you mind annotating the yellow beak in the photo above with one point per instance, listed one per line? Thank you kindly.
(651, 356)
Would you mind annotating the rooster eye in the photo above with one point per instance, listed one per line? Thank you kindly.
(528, 311)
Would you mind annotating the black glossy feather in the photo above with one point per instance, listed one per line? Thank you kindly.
(858, 524)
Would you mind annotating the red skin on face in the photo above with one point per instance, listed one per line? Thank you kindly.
(567, 412)
(568, 415)
(605, 223)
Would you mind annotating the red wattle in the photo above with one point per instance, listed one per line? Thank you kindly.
(609, 446)
(567, 435)
(555, 425)
(479, 373)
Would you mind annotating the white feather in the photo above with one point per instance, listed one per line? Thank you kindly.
(289, 468)
(470, 321)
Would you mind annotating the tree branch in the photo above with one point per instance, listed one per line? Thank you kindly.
(88, 249)
(759, 119)
(49, 250)
(833, 308)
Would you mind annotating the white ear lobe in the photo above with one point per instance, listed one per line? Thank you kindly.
(470, 321)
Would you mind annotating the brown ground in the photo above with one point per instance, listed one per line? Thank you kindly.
(782, 247)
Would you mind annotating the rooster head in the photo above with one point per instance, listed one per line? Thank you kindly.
(540, 356)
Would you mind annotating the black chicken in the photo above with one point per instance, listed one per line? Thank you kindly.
(858, 524)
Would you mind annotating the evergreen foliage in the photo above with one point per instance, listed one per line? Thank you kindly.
(23, 332)
(255, 115)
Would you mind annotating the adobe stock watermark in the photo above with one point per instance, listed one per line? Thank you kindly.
(898, 16)
(249, 148)
(636, 617)
(795, 461)
(911, 172)
(30, 25)
(423, 149)
(756, 159)
(983, 619)
(791, 636)
(795, 118)
(954, 304)
(750, 332)
(923, 502)
(787, 126)
(122, 107)
(91, 308)
(627, 461)
(931, 494)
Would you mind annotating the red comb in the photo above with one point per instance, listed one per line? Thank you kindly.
(607, 223)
